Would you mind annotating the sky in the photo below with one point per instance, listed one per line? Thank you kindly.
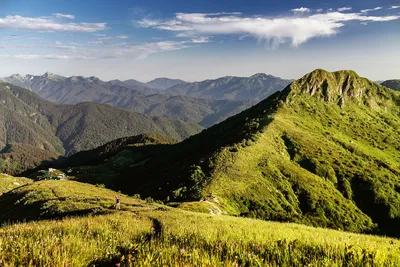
(196, 40)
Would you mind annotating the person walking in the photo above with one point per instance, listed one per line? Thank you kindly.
(117, 203)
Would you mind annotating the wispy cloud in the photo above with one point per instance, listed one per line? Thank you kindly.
(301, 10)
(142, 51)
(342, 9)
(371, 9)
(200, 40)
(64, 16)
(45, 47)
(395, 7)
(276, 31)
(171, 25)
(66, 47)
(122, 36)
(96, 42)
(46, 24)
(105, 51)
(53, 57)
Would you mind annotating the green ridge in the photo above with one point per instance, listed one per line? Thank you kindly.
(322, 152)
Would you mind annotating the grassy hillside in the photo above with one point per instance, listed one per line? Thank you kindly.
(145, 234)
(322, 152)
(329, 149)
(392, 84)
(58, 199)
(8, 183)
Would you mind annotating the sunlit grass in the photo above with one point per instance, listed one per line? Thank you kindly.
(172, 237)
(8, 183)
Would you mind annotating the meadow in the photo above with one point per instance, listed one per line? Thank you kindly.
(149, 234)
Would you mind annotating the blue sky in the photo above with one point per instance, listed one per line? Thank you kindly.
(196, 40)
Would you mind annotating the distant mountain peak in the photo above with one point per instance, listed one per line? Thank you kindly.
(262, 76)
(16, 76)
(48, 76)
(163, 83)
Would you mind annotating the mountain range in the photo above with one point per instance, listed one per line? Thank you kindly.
(323, 152)
(65, 129)
(131, 94)
(257, 87)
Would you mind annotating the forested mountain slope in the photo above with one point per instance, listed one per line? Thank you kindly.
(392, 84)
(65, 129)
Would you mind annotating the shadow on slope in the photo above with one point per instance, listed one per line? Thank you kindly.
(59, 199)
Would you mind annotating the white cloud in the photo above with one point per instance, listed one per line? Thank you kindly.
(104, 38)
(52, 57)
(64, 16)
(183, 34)
(276, 31)
(144, 50)
(395, 7)
(122, 37)
(301, 10)
(344, 9)
(200, 40)
(114, 50)
(66, 47)
(47, 25)
(371, 9)
(319, 10)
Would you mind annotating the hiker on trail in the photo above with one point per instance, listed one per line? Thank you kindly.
(117, 203)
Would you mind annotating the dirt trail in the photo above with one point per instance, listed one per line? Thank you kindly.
(215, 210)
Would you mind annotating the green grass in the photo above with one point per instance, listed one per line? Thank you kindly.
(8, 183)
(318, 162)
(144, 234)
(59, 199)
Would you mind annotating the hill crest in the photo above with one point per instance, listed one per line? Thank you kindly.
(339, 87)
